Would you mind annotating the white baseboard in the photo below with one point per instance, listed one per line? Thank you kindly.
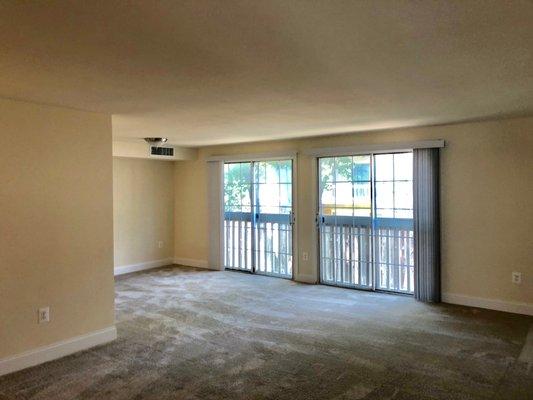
(304, 278)
(126, 269)
(189, 262)
(56, 350)
(491, 304)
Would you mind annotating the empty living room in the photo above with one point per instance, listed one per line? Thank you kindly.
(266, 199)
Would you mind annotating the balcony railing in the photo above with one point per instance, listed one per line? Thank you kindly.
(271, 247)
(347, 259)
(345, 249)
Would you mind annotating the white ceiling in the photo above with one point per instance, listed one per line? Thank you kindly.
(206, 72)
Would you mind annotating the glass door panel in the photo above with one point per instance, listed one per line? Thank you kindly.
(345, 221)
(238, 216)
(393, 225)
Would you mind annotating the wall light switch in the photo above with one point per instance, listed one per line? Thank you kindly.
(160, 244)
(44, 315)
(516, 278)
(305, 256)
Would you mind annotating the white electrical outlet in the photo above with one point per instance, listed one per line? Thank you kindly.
(160, 244)
(44, 315)
(516, 278)
(305, 256)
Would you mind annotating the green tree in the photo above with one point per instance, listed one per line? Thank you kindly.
(237, 184)
(347, 169)
(331, 166)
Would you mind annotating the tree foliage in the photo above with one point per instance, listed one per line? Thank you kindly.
(237, 183)
(238, 176)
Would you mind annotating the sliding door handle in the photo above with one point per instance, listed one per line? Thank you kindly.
(292, 218)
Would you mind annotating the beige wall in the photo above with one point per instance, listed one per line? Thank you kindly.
(190, 238)
(143, 203)
(486, 191)
(56, 224)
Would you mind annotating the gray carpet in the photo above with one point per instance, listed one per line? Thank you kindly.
(192, 334)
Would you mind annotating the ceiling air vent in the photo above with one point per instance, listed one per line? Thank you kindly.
(157, 149)
(162, 151)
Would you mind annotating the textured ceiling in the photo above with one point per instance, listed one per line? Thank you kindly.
(207, 72)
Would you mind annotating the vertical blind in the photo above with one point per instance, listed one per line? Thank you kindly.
(426, 224)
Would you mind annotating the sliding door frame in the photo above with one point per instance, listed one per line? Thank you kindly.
(253, 158)
(373, 257)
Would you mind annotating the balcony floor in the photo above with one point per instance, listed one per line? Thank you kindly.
(194, 334)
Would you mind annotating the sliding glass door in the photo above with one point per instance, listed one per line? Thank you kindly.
(365, 221)
(258, 217)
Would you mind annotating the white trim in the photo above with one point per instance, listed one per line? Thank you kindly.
(373, 148)
(190, 262)
(491, 304)
(306, 278)
(284, 155)
(126, 269)
(57, 350)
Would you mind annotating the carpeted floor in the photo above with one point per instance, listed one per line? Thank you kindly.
(193, 334)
